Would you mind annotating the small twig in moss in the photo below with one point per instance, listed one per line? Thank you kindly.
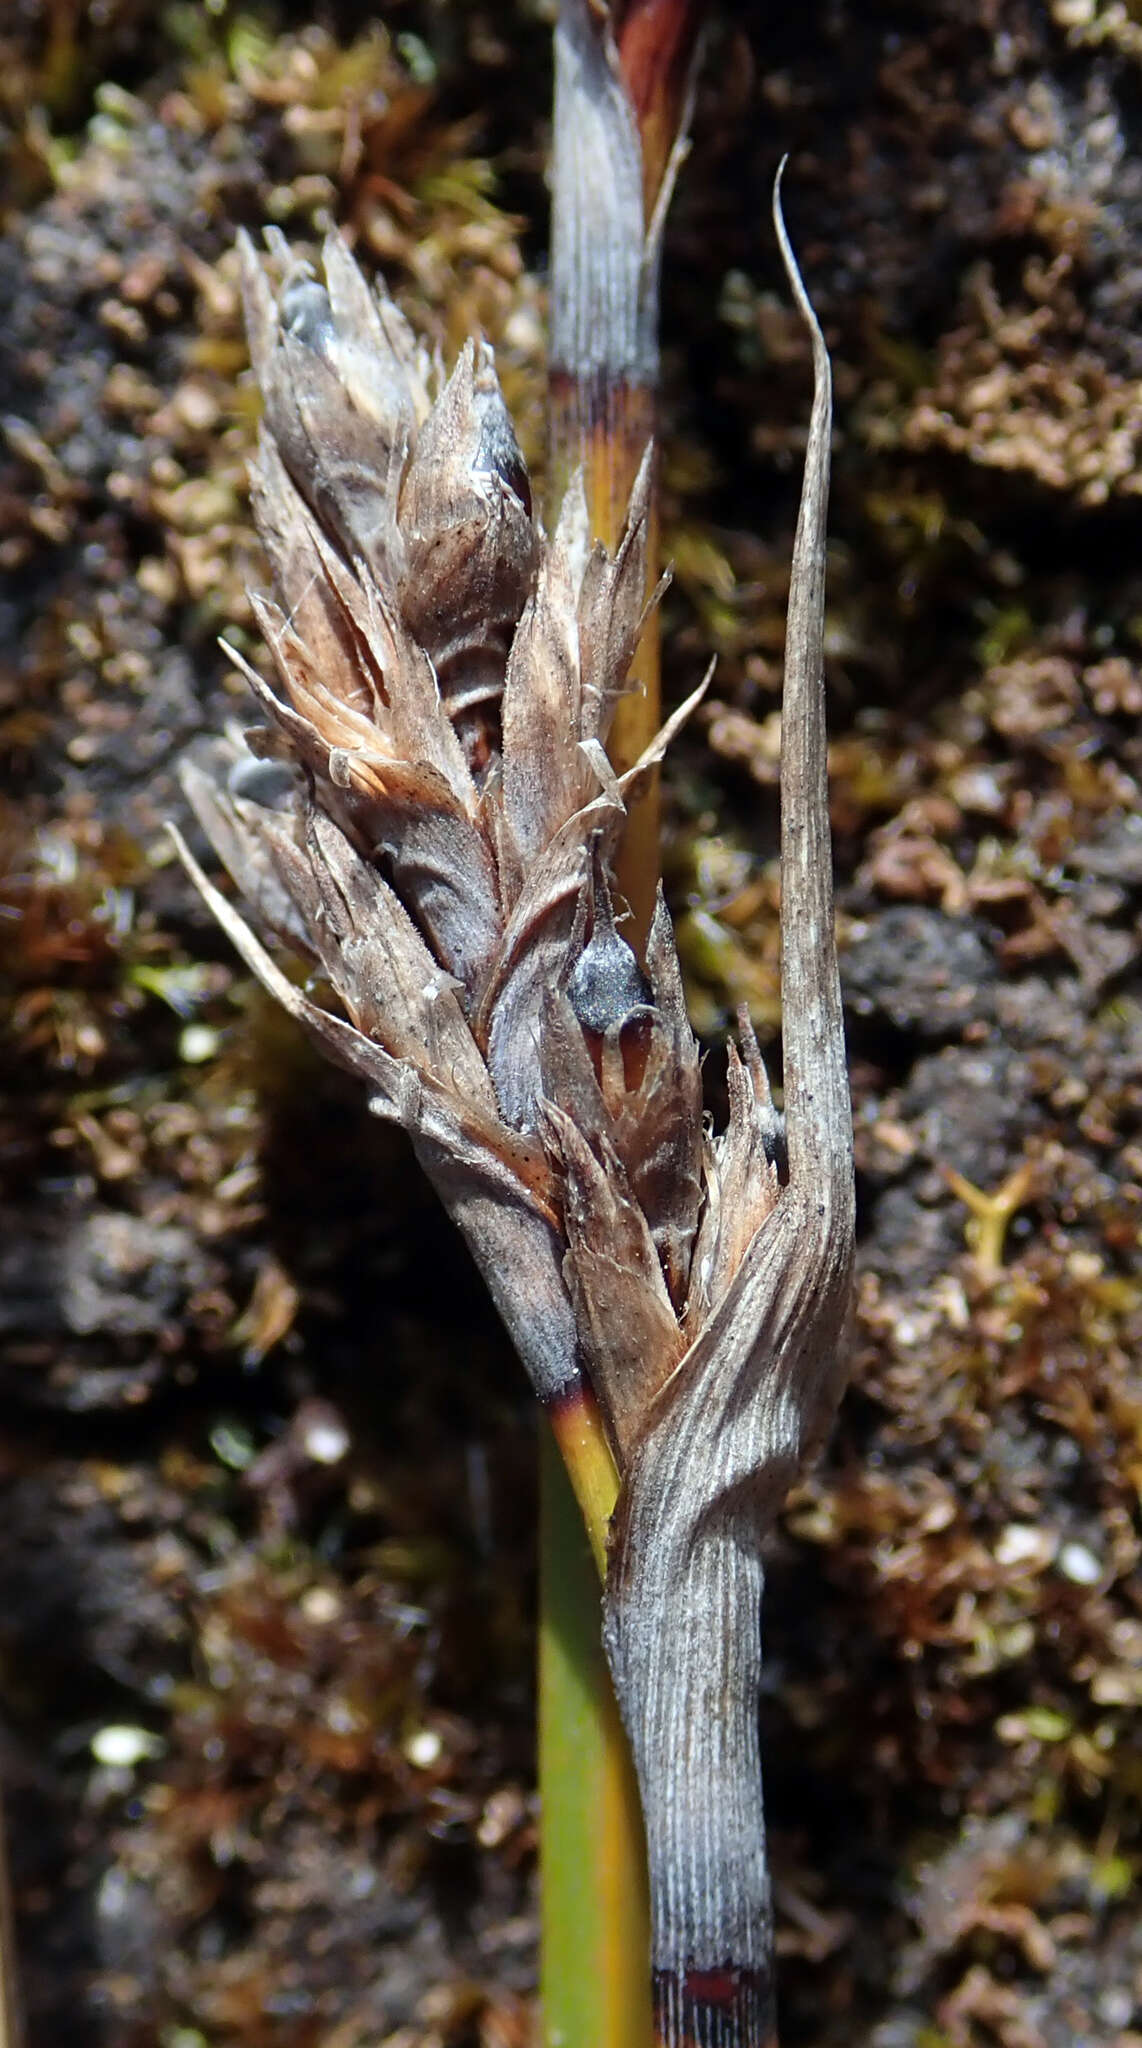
(992, 1214)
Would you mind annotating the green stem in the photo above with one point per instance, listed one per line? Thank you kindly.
(595, 1944)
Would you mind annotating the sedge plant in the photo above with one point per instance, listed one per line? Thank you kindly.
(427, 814)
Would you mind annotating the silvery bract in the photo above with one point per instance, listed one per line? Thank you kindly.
(427, 814)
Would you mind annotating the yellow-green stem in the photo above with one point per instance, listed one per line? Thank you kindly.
(595, 1944)
(582, 1441)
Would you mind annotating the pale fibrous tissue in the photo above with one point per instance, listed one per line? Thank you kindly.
(426, 815)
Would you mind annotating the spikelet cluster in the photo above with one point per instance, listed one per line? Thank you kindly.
(427, 815)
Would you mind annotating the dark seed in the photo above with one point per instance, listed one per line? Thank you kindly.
(607, 983)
